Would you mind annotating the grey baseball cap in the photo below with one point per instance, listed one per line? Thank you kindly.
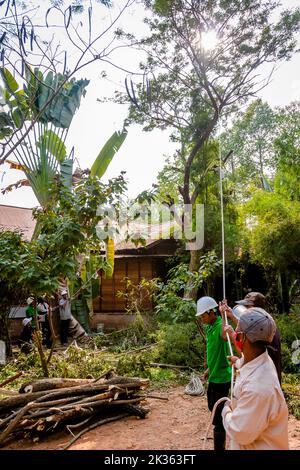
(258, 325)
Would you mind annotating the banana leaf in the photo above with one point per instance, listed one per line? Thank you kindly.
(62, 108)
(66, 170)
(6, 125)
(52, 143)
(8, 79)
(107, 153)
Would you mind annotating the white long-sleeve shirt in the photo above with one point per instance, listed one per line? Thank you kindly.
(257, 417)
(65, 309)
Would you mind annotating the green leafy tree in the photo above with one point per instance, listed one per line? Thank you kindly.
(68, 228)
(273, 232)
(171, 304)
(287, 152)
(190, 87)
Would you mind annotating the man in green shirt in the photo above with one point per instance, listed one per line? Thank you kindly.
(218, 372)
(31, 312)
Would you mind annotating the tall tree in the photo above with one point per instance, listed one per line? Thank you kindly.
(191, 85)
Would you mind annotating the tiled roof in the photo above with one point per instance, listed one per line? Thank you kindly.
(17, 218)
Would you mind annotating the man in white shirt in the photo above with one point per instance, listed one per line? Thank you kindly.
(65, 317)
(257, 416)
(43, 318)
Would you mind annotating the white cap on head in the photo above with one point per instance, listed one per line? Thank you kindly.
(239, 310)
(25, 321)
(205, 304)
(29, 300)
(64, 292)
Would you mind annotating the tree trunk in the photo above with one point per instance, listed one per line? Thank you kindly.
(190, 291)
(51, 384)
(4, 332)
(37, 339)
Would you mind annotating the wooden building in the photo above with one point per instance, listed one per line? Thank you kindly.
(132, 263)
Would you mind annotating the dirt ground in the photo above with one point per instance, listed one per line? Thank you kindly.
(177, 424)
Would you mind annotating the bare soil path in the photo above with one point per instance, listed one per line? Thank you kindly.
(177, 424)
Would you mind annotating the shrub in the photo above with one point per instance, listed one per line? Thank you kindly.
(289, 327)
(180, 344)
(290, 386)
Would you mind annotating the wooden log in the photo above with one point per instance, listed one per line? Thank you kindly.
(106, 375)
(167, 366)
(63, 401)
(24, 398)
(13, 424)
(52, 384)
(10, 393)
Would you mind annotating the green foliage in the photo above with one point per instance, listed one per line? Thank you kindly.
(251, 138)
(290, 387)
(137, 296)
(287, 180)
(180, 344)
(63, 96)
(289, 328)
(170, 306)
(50, 142)
(140, 332)
(67, 229)
(274, 235)
(136, 365)
(6, 125)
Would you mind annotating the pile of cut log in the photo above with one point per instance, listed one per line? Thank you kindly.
(46, 405)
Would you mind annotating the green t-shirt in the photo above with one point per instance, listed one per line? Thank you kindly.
(216, 352)
(30, 312)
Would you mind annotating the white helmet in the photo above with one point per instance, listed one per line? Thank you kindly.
(239, 310)
(205, 304)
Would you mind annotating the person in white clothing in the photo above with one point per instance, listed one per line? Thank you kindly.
(257, 416)
(43, 318)
(65, 317)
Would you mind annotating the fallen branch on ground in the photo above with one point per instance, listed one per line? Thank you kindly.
(11, 379)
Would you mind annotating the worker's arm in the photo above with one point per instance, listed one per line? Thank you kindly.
(249, 419)
(223, 307)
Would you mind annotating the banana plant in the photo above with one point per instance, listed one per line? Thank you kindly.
(42, 153)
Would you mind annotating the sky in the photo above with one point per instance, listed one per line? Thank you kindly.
(143, 154)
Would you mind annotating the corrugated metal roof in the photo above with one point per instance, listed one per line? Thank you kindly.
(18, 312)
(17, 218)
